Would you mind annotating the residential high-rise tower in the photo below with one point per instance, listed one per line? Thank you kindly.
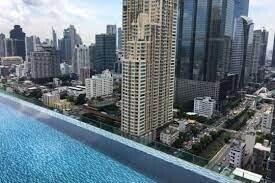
(149, 50)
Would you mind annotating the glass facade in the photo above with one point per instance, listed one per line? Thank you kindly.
(204, 39)
(273, 56)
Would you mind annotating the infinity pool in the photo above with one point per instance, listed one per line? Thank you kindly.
(31, 151)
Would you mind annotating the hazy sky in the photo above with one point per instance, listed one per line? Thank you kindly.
(91, 16)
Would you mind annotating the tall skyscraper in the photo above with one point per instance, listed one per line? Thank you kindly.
(2, 45)
(148, 64)
(45, 63)
(119, 38)
(204, 44)
(273, 55)
(241, 8)
(81, 59)
(68, 43)
(10, 48)
(54, 39)
(111, 29)
(92, 54)
(18, 36)
(105, 52)
(242, 47)
(256, 53)
(30, 46)
(264, 44)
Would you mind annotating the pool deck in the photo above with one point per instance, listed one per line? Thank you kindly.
(152, 163)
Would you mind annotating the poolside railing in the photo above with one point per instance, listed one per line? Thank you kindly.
(85, 122)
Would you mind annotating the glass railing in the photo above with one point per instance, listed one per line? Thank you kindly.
(101, 125)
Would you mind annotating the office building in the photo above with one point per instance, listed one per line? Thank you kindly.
(260, 156)
(54, 43)
(119, 38)
(31, 46)
(264, 44)
(241, 8)
(67, 44)
(84, 74)
(204, 106)
(237, 154)
(105, 56)
(18, 36)
(242, 47)
(92, 54)
(256, 55)
(149, 50)
(203, 48)
(45, 63)
(10, 48)
(49, 99)
(273, 55)
(267, 119)
(118, 63)
(65, 68)
(100, 85)
(169, 136)
(81, 59)
(2, 45)
(111, 29)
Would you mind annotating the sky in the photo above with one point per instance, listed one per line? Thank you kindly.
(90, 17)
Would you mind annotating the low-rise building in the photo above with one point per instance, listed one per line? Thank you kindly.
(20, 71)
(204, 106)
(260, 157)
(267, 120)
(99, 85)
(49, 99)
(76, 91)
(9, 61)
(237, 154)
(169, 136)
(62, 105)
(247, 176)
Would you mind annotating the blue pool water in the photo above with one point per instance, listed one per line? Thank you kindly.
(31, 151)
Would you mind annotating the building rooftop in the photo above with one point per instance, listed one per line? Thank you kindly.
(247, 175)
(169, 131)
(262, 147)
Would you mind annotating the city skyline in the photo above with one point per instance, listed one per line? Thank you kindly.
(38, 17)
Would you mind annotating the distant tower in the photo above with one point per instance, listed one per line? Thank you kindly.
(242, 47)
(45, 63)
(105, 52)
(54, 39)
(273, 56)
(119, 39)
(2, 45)
(18, 36)
(111, 29)
(81, 59)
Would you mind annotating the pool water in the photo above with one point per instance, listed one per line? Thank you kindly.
(31, 151)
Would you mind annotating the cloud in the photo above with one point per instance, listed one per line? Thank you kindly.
(37, 17)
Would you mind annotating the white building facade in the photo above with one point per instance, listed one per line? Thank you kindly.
(169, 136)
(81, 59)
(99, 85)
(204, 106)
(267, 119)
(237, 154)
